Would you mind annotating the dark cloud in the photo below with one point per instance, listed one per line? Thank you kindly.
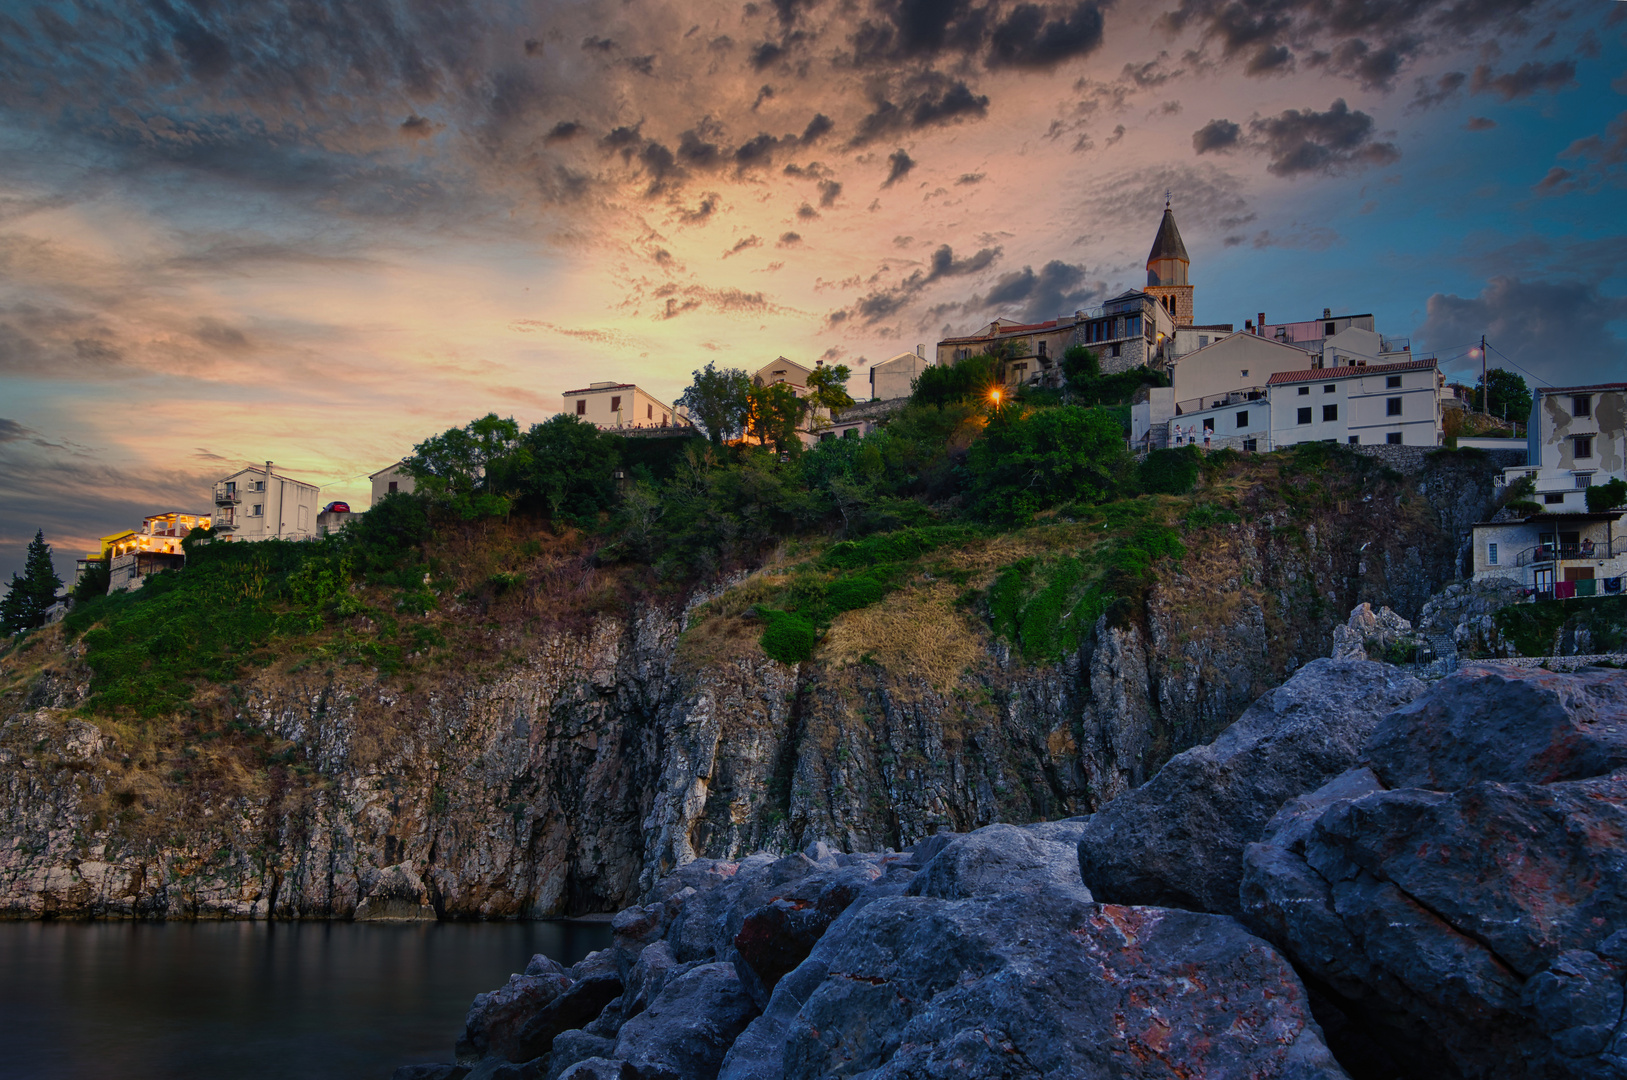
(1216, 135)
(789, 239)
(1480, 123)
(417, 127)
(1553, 328)
(595, 43)
(744, 244)
(1035, 37)
(1429, 94)
(1369, 41)
(219, 335)
(829, 192)
(967, 179)
(925, 100)
(817, 128)
(1150, 74)
(703, 211)
(899, 165)
(1525, 80)
(1058, 288)
(1598, 160)
(1304, 141)
(562, 131)
(1026, 35)
(681, 299)
(884, 303)
(807, 213)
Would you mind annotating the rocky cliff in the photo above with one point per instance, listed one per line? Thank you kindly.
(563, 767)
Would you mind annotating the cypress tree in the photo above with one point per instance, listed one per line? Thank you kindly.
(32, 591)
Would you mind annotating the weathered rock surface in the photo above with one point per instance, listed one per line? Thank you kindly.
(1369, 634)
(1464, 899)
(567, 770)
(1178, 839)
(690, 1025)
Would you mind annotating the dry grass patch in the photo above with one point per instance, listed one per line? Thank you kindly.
(919, 632)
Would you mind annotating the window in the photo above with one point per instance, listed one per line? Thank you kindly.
(1330, 412)
(663, 419)
(1203, 341)
(1113, 349)
(1354, 440)
(1245, 373)
(1242, 420)
(1582, 405)
(851, 433)
(1393, 438)
(1329, 329)
(1250, 445)
(1305, 415)
(1553, 500)
(231, 487)
(1209, 423)
(1584, 481)
(1491, 554)
(581, 406)
(1583, 446)
(615, 404)
(254, 510)
(1392, 406)
(1392, 382)
(649, 412)
(259, 485)
(1328, 388)
(1304, 391)
(1042, 351)
(394, 488)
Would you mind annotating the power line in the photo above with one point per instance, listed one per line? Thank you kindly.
(1510, 359)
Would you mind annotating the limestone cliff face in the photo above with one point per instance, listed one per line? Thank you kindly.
(599, 759)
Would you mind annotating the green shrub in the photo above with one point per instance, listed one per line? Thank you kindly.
(1602, 497)
(789, 637)
(849, 594)
(894, 546)
(1170, 472)
(1205, 515)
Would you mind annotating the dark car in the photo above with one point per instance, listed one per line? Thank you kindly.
(337, 508)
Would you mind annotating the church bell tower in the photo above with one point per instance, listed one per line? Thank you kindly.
(1167, 268)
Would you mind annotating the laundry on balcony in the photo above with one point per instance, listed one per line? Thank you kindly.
(1564, 590)
(1585, 587)
(1612, 584)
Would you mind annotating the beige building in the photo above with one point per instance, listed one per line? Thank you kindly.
(261, 504)
(1576, 437)
(618, 405)
(1129, 331)
(895, 378)
(390, 480)
(1235, 367)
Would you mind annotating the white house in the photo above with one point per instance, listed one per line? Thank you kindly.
(390, 480)
(618, 405)
(1398, 404)
(895, 378)
(260, 504)
(1576, 438)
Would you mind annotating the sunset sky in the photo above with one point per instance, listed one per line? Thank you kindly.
(318, 232)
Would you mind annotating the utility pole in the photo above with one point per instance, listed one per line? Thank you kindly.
(1485, 391)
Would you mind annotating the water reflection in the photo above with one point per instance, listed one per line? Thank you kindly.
(200, 1001)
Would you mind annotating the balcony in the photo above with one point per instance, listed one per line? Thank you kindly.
(226, 496)
(1587, 549)
(1246, 396)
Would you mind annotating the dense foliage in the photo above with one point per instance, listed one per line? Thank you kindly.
(1505, 393)
(1608, 496)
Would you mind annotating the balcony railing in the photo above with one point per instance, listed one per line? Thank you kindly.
(1246, 396)
(225, 496)
(1588, 549)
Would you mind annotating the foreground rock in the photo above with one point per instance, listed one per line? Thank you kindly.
(1178, 839)
(980, 955)
(1464, 898)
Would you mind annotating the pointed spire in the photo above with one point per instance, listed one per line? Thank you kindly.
(1167, 245)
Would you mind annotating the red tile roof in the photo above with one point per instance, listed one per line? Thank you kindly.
(1346, 371)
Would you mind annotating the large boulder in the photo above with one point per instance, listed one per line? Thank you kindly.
(1476, 920)
(1000, 859)
(1034, 984)
(689, 1027)
(1178, 839)
(495, 1019)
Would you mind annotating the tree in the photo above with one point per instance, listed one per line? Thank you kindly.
(1510, 397)
(719, 402)
(966, 380)
(472, 469)
(94, 581)
(1079, 364)
(1027, 461)
(775, 411)
(827, 388)
(32, 591)
(569, 467)
(1602, 497)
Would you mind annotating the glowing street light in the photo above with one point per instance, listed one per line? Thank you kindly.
(994, 396)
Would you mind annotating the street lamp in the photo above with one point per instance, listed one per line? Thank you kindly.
(994, 396)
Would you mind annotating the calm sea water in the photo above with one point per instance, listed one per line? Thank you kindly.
(208, 1001)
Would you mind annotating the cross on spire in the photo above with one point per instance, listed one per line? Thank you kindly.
(1166, 198)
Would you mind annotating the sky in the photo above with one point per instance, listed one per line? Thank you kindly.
(316, 233)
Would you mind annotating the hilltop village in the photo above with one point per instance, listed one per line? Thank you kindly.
(1268, 386)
